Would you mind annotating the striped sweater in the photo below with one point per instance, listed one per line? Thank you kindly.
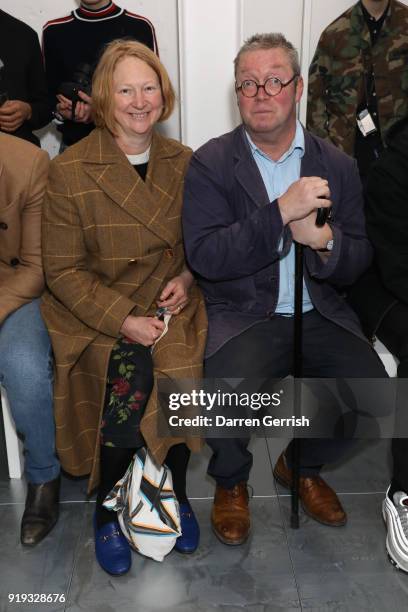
(79, 38)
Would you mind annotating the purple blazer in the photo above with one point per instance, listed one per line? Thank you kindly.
(232, 233)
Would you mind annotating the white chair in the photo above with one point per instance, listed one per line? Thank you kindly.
(14, 447)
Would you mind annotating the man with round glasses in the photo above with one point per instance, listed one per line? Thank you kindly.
(249, 195)
(272, 86)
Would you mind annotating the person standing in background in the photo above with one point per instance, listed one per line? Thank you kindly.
(358, 79)
(72, 46)
(381, 301)
(358, 98)
(23, 90)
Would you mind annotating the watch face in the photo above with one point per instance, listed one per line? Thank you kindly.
(329, 245)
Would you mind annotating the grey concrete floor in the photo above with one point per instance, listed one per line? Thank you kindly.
(314, 568)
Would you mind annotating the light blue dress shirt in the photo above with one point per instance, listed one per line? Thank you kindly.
(277, 177)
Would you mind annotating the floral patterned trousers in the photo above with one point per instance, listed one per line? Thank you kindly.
(129, 384)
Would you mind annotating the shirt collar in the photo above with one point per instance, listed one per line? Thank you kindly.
(368, 17)
(89, 13)
(298, 143)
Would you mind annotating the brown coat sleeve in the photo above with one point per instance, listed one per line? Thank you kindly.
(67, 262)
(23, 282)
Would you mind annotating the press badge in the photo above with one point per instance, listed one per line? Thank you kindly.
(365, 123)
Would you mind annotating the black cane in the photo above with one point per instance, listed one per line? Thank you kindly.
(321, 218)
(297, 373)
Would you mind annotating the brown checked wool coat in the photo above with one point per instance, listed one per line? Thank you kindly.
(110, 243)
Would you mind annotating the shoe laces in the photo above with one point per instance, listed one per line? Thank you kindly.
(400, 500)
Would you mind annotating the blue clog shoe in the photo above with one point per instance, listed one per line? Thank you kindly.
(188, 542)
(112, 549)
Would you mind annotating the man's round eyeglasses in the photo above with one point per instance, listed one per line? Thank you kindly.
(272, 86)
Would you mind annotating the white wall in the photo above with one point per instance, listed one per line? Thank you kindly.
(211, 33)
(209, 40)
(198, 40)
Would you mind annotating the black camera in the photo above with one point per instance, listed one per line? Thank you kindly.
(81, 81)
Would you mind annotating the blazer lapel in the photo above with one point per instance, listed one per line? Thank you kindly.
(312, 162)
(246, 169)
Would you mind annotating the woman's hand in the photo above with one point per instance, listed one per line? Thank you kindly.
(175, 294)
(144, 330)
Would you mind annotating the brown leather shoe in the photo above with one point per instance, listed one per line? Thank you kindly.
(230, 514)
(319, 500)
(41, 511)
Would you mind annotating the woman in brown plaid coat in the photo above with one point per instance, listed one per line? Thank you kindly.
(113, 253)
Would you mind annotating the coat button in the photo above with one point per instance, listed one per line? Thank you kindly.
(132, 261)
(169, 253)
(14, 262)
(3, 225)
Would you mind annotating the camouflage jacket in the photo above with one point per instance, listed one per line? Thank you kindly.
(336, 83)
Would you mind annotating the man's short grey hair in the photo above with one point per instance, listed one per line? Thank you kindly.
(272, 40)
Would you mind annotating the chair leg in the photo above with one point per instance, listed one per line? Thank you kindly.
(13, 445)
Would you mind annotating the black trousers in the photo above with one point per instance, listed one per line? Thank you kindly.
(393, 333)
(129, 384)
(266, 350)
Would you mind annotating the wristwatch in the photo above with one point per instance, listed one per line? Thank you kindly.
(329, 247)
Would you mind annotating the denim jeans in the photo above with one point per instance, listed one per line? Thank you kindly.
(26, 372)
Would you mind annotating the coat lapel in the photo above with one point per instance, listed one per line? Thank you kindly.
(246, 169)
(164, 180)
(149, 201)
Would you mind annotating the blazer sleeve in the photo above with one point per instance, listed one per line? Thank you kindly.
(352, 252)
(220, 245)
(65, 257)
(27, 281)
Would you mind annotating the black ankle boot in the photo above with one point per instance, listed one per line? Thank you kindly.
(41, 511)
